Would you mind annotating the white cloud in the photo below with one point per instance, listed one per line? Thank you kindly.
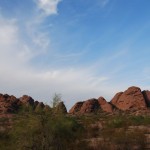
(8, 32)
(18, 76)
(49, 7)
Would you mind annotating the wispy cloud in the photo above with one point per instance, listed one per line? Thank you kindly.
(49, 7)
(104, 2)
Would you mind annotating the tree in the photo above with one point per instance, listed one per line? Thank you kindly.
(56, 100)
(61, 108)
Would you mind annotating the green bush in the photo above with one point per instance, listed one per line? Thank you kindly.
(42, 132)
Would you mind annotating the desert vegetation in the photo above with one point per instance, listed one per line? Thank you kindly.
(94, 124)
(51, 131)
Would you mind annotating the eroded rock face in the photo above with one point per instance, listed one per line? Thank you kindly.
(116, 98)
(27, 100)
(89, 106)
(132, 98)
(146, 95)
(11, 104)
(8, 104)
(76, 108)
(105, 105)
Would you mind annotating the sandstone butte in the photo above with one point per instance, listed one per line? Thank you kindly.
(11, 104)
(131, 99)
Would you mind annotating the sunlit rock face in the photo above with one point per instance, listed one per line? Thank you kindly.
(132, 98)
(105, 106)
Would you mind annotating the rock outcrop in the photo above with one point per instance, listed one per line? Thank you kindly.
(132, 98)
(105, 105)
(27, 100)
(89, 106)
(146, 95)
(8, 104)
(11, 104)
(76, 108)
(116, 98)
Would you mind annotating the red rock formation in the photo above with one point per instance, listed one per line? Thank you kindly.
(89, 106)
(146, 95)
(11, 104)
(8, 104)
(27, 100)
(132, 98)
(76, 108)
(105, 105)
(116, 98)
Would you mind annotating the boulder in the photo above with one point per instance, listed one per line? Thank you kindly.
(90, 106)
(146, 95)
(27, 100)
(8, 104)
(116, 98)
(76, 108)
(132, 98)
(106, 107)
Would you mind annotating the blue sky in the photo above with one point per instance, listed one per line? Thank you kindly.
(81, 49)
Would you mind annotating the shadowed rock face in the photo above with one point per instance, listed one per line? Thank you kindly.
(146, 95)
(105, 105)
(132, 98)
(89, 106)
(11, 104)
(8, 104)
(27, 100)
(76, 108)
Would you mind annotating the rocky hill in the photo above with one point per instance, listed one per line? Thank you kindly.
(11, 104)
(93, 124)
(133, 99)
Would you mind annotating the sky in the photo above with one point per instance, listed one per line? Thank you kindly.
(79, 48)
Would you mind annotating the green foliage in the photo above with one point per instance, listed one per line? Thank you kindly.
(117, 122)
(25, 109)
(49, 131)
(42, 132)
(140, 120)
(60, 109)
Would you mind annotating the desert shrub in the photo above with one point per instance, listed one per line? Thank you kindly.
(126, 140)
(3, 140)
(122, 139)
(44, 132)
(116, 122)
(139, 120)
